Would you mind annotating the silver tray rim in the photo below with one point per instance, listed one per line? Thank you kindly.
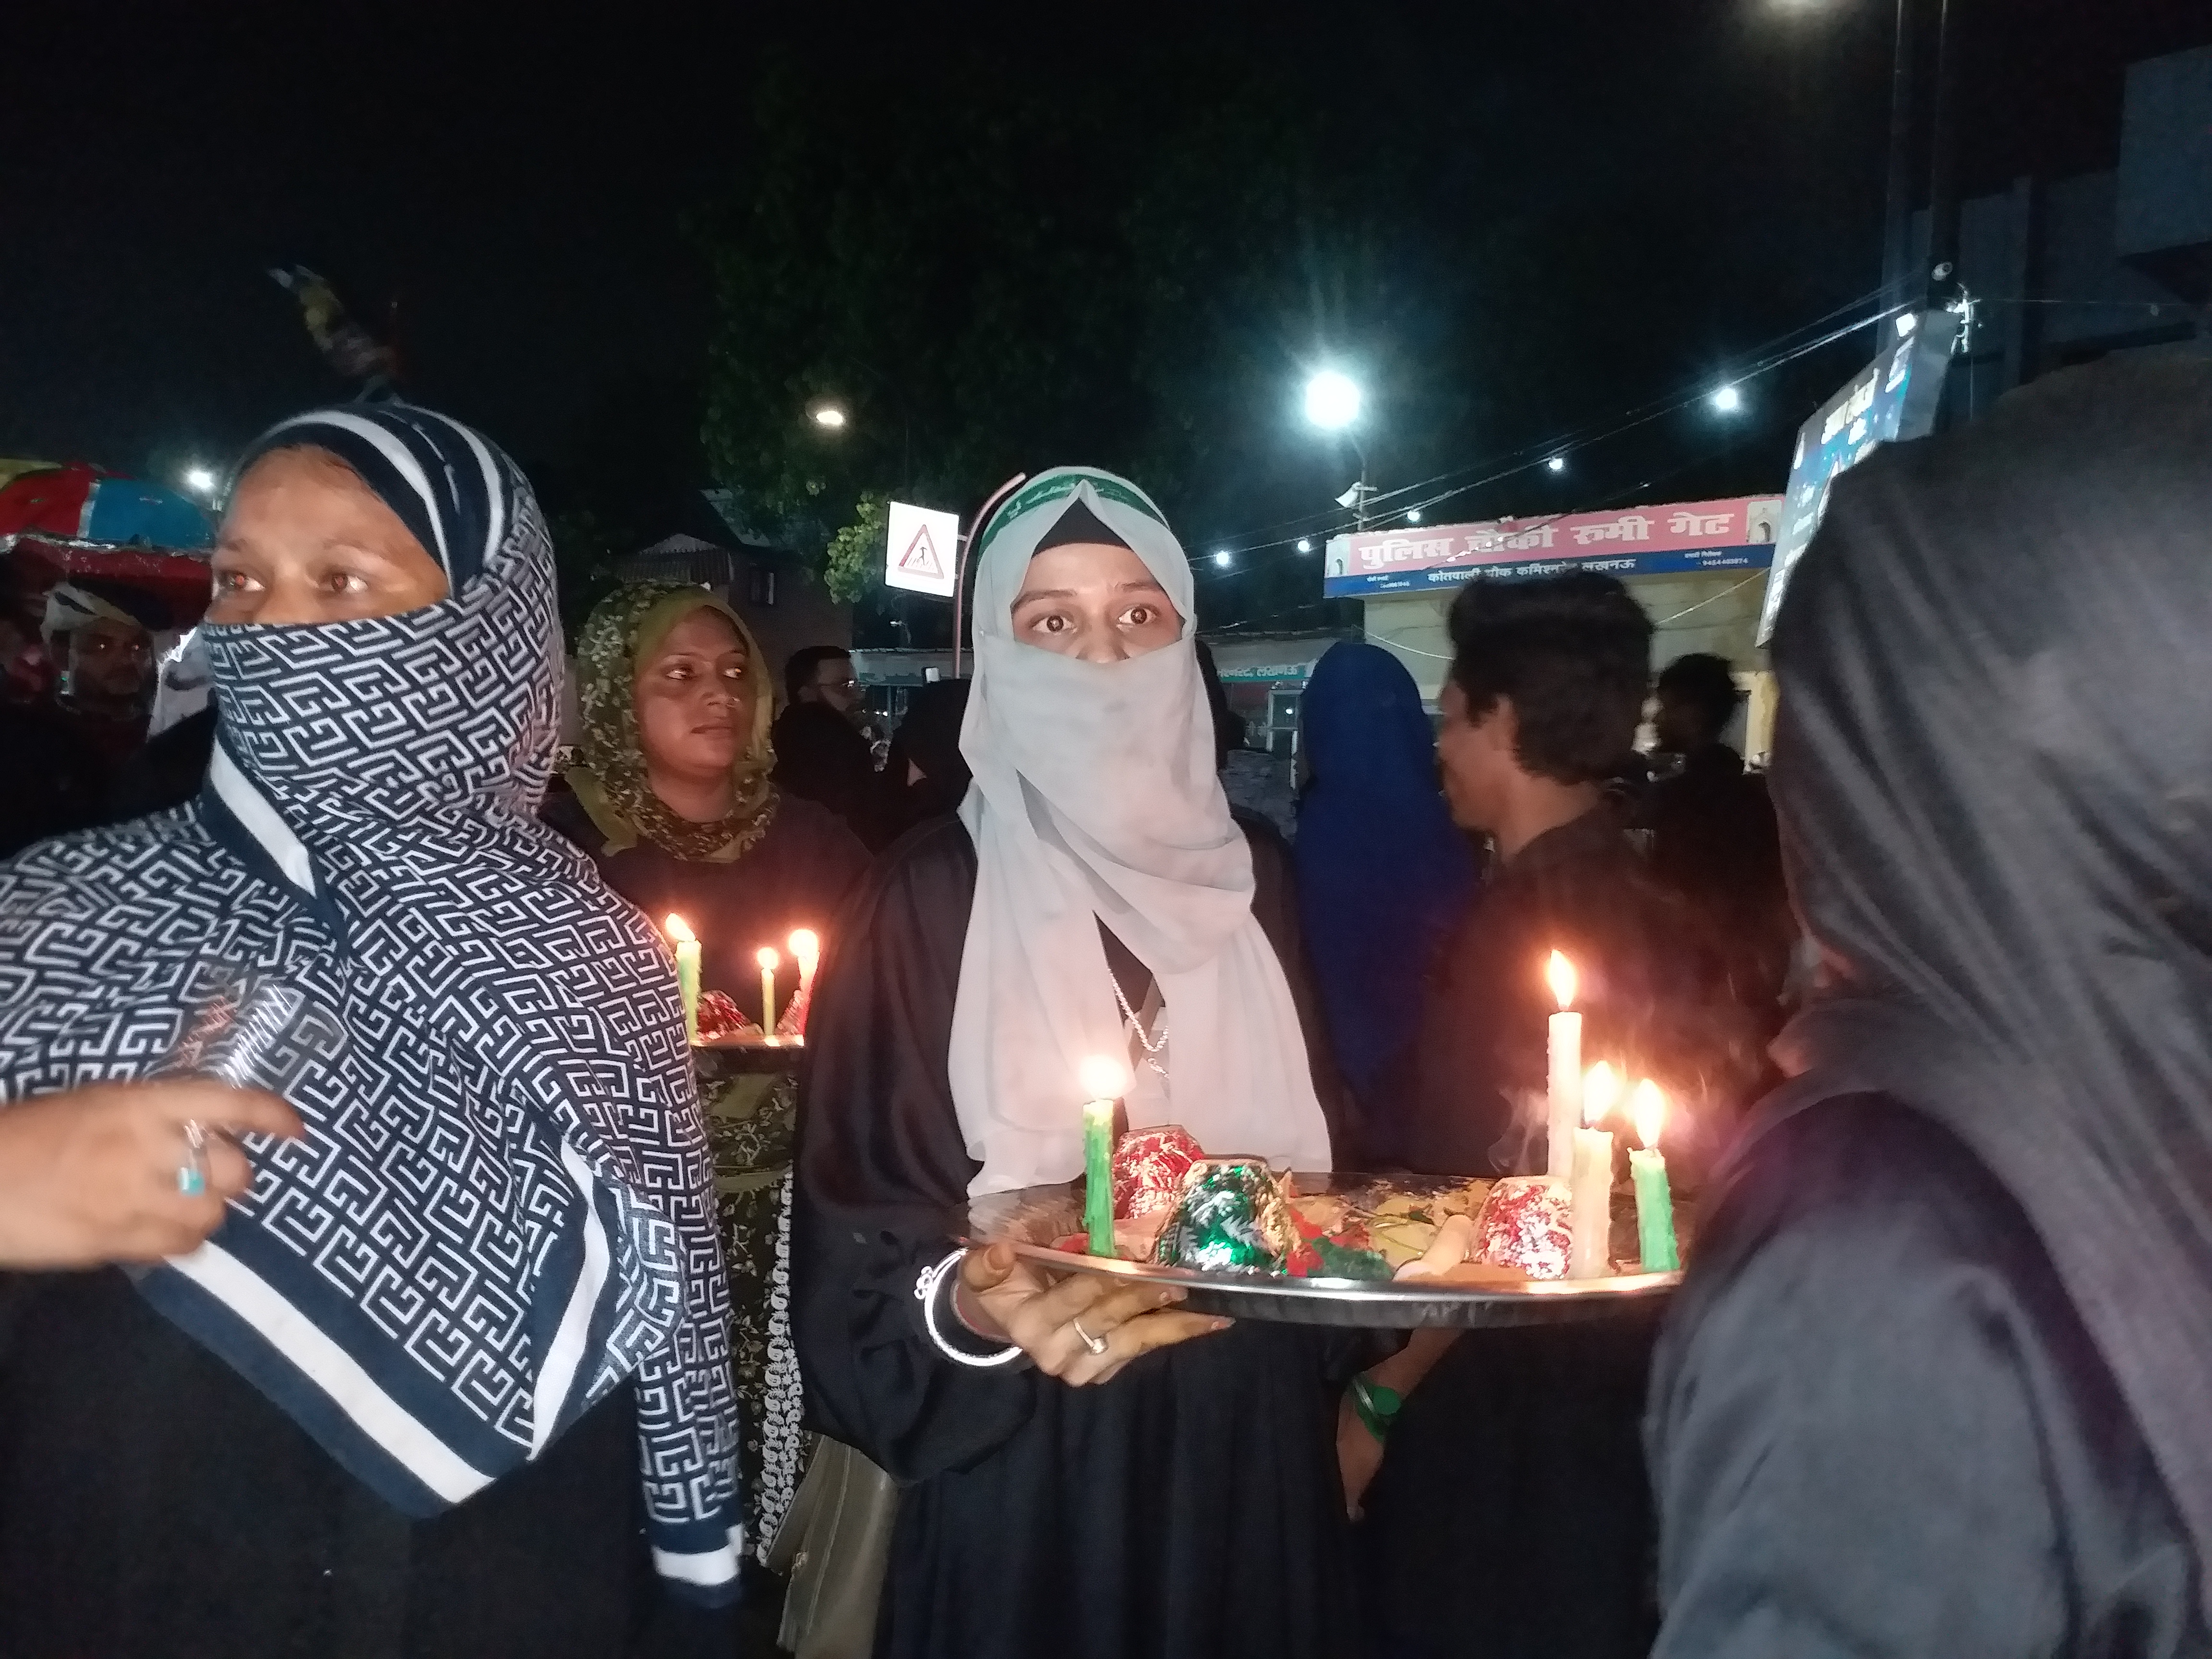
(1380, 1305)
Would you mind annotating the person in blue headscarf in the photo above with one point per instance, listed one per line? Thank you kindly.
(451, 1367)
(1383, 873)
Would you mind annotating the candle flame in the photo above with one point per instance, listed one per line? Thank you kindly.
(1105, 1077)
(1600, 1092)
(679, 930)
(1648, 1106)
(806, 949)
(1559, 973)
(767, 957)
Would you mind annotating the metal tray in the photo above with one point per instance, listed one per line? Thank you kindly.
(1034, 1217)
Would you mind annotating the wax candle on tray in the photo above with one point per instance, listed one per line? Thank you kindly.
(1592, 1185)
(1103, 1082)
(687, 972)
(770, 961)
(807, 951)
(1565, 1050)
(1655, 1199)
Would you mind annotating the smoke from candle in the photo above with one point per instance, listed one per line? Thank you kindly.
(1600, 1092)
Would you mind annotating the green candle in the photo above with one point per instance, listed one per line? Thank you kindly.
(1103, 1081)
(1098, 1175)
(1655, 1199)
(687, 973)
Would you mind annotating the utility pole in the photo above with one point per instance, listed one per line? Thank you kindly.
(1897, 204)
(1943, 273)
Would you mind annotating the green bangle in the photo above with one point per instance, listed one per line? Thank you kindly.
(1377, 1406)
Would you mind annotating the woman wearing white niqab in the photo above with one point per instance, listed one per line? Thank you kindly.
(1093, 896)
(1096, 801)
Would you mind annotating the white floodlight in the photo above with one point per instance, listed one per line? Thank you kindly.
(1728, 400)
(1332, 400)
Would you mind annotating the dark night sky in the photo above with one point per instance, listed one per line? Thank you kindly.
(516, 178)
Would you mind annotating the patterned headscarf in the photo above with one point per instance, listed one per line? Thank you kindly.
(626, 629)
(502, 1209)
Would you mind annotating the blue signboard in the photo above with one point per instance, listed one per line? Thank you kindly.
(1894, 397)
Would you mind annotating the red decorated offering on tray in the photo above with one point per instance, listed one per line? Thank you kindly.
(1528, 1223)
(1149, 1167)
(720, 1019)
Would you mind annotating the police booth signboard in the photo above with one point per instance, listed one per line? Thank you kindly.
(1895, 396)
(1735, 534)
(922, 552)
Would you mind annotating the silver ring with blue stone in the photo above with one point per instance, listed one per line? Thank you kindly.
(191, 1174)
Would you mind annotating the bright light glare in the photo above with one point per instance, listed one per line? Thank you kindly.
(199, 480)
(1332, 401)
(1557, 464)
(1728, 400)
(1222, 557)
(1304, 546)
(827, 415)
(1414, 516)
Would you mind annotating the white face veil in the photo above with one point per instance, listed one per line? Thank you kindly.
(1095, 799)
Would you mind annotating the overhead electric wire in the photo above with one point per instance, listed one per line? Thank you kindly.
(1523, 458)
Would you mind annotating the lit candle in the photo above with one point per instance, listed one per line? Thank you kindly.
(687, 972)
(806, 951)
(1103, 1081)
(768, 962)
(1566, 1050)
(1655, 1202)
(1591, 1192)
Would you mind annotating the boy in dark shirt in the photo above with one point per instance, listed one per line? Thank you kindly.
(1546, 684)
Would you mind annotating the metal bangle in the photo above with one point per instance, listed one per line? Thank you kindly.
(924, 1291)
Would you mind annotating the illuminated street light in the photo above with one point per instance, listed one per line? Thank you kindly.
(200, 480)
(1557, 464)
(1304, 546)
(1222, 558)
(1728, 400)
(830, 417)
(1414, 516)
(1332, 401)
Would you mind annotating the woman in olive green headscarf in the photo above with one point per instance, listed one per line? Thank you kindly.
(671, 799)
(671, 790)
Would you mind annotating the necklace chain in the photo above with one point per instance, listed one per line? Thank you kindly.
(1152, 1047)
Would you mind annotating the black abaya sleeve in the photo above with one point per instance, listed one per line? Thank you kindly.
(1879, 1428)
(881, 1165)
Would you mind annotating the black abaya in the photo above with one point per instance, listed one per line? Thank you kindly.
(154, 1505)
(795, 875)
(1188, 1509)
(1879, 1428)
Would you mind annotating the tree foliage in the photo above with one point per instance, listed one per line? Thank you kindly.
(1056, 271)
(853, 568)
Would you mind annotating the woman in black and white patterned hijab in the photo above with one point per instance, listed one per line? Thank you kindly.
(446, 1356)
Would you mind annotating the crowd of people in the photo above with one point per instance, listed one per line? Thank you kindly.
(446, 1326)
